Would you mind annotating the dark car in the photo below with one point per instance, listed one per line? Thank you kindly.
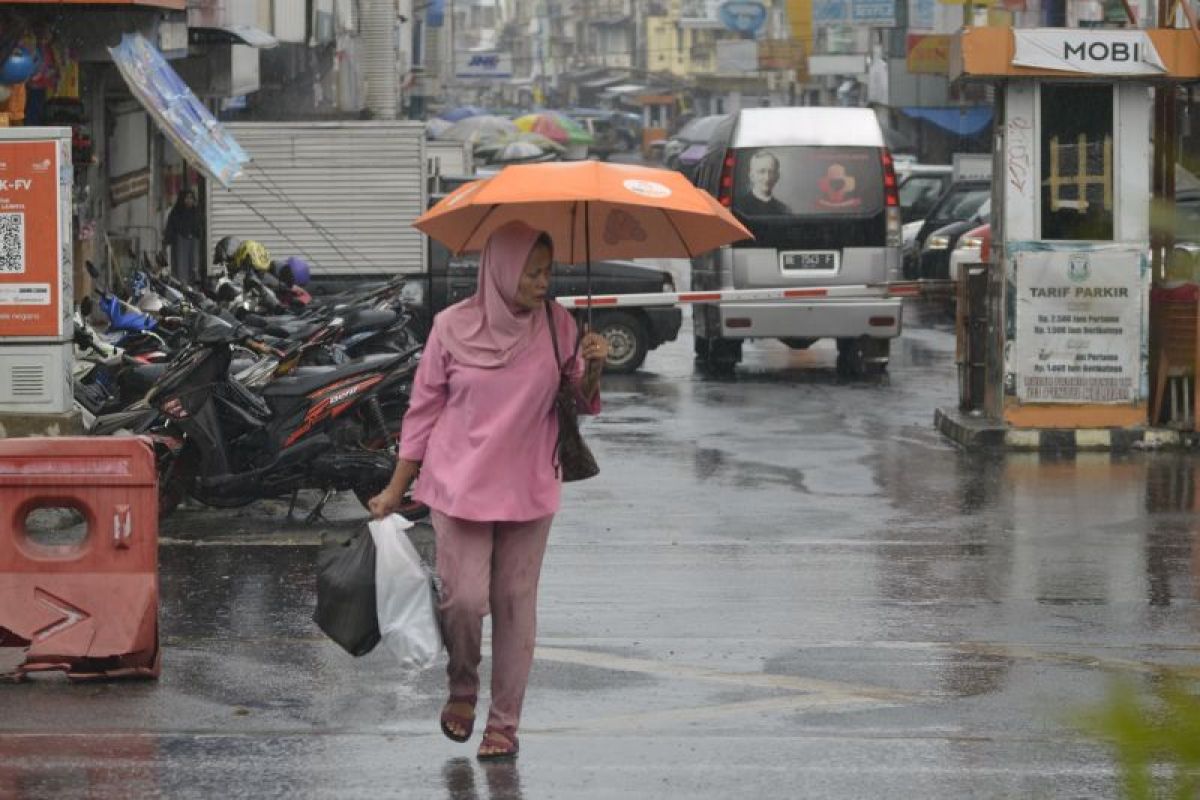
(935, 254)
(920, 191)
(685, 149)
(962, 201)
(631, 332)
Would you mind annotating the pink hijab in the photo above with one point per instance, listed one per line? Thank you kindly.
(488, 330)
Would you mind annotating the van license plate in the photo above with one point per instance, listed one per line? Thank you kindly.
(803, 262)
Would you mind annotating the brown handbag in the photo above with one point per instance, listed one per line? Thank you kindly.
(573, 459)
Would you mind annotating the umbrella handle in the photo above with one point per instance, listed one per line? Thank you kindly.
(587, 248)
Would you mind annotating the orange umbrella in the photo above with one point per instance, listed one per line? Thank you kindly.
(591, 209)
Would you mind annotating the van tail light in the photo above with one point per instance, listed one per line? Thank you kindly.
(891, 196)
(725, 189)
(895, 227)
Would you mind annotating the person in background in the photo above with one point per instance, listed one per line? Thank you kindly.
(482, 430)
(182, 237)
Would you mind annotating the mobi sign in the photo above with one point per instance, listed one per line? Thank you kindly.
(1092, 52)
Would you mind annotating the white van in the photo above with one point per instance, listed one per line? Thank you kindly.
(817, 188)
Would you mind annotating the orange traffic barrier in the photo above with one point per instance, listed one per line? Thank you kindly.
(87, 607)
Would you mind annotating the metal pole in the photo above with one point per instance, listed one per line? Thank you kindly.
(587, 245)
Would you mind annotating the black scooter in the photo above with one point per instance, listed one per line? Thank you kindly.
(333, 428)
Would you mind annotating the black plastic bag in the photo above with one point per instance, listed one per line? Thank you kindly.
(346, 594)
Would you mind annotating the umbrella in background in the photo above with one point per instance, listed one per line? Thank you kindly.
(590, 209)
(462, 112)
(693, 155)
(479, 129)
(553, 125)
(437, 127)
(514, 145)
(519, 152)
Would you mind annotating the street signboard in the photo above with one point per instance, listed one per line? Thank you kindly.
(1079, 326)
(872, 13)
(31, 239)
(483, 64)
(928, 54)
(1094, 52)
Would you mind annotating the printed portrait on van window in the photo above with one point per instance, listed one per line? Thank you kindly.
(760, 200)
(783, 183)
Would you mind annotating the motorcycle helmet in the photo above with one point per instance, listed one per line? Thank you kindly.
(295, 272)
(20, 66)
(225, 248)
(226, 291)
(251, 255)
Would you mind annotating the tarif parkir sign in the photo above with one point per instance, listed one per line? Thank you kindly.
(1090, 52)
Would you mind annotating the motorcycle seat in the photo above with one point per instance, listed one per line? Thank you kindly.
(309, 379)
(143, 376)
(284, 326)
(368, 319)
(293, 330)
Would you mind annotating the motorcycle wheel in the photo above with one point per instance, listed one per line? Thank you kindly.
(175, 484)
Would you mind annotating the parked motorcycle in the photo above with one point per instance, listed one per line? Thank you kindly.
(226, 445)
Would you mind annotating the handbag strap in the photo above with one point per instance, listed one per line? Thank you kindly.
(554, 337)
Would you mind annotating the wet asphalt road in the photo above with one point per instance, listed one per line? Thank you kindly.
(781, 585)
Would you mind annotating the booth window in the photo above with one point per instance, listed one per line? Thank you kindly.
(1077, 162)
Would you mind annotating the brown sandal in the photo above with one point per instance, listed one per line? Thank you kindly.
(462, 721)
(501, 741)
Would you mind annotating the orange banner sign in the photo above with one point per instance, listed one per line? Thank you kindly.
(30, 250)
(928, 54)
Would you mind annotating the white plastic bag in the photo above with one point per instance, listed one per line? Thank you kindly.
(404, 595)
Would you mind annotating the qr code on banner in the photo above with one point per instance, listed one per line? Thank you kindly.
(12, 243)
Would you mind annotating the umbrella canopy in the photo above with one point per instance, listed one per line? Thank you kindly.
(462, 112)
(553, 125)
(436, 127)
(591, 209)
(518, 151)
(490, 148)
(693, 154)
(479, 129)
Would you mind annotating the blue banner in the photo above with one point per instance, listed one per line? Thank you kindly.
(831, 12)
(435, 13)
(179, 113)
(876, 13)
(873, 13)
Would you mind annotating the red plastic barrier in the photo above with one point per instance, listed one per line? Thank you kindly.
(91, 608)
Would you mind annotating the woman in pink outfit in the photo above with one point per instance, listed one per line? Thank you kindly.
(481, 431)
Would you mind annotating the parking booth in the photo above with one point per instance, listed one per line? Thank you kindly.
(658, 116)
(1067, 312)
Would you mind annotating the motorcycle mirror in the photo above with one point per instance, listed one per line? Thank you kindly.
(91, 269)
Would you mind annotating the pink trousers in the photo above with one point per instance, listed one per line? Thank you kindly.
(482, 566)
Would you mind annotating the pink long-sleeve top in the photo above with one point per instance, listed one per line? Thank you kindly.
(486, 437)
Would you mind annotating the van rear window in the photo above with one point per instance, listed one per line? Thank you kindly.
(782, 182)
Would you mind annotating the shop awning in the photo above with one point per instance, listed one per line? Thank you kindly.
(232, 34)
(603, 81)
(625, 88)
(966, 121)
(179, 113)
